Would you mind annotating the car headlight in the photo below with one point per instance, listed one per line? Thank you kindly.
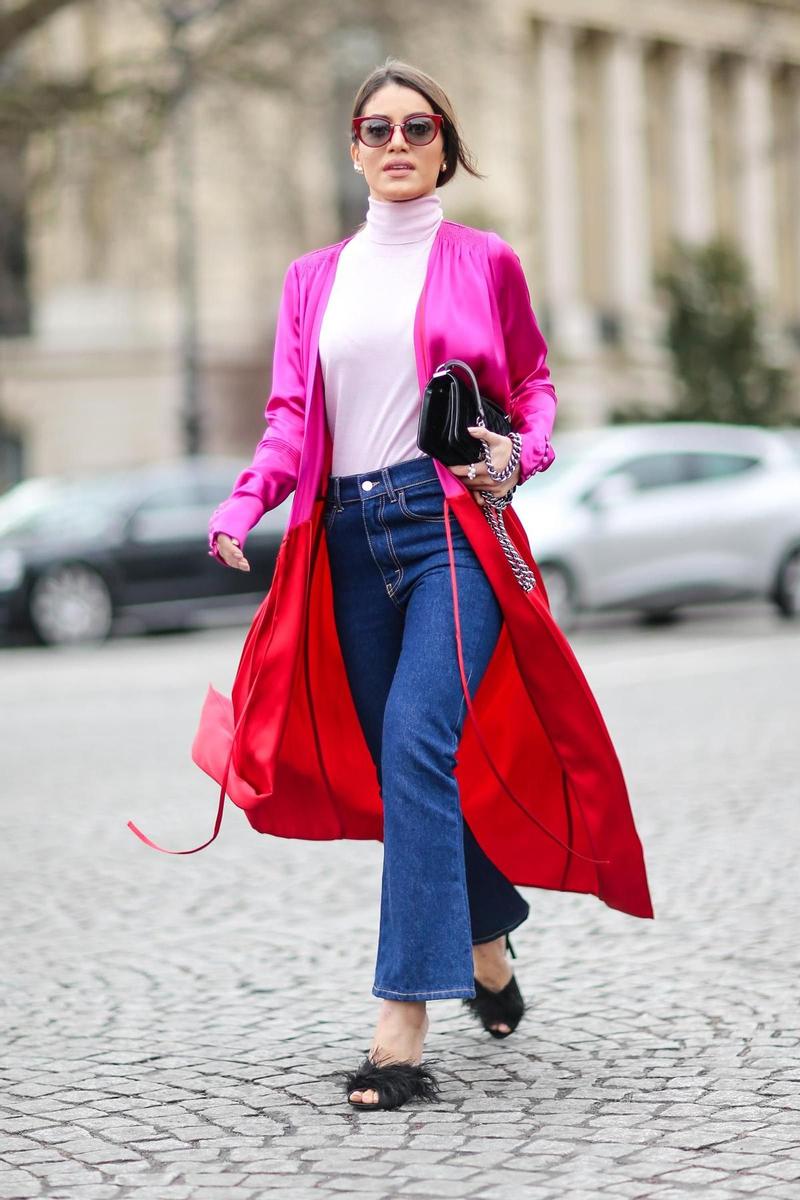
(12, 569)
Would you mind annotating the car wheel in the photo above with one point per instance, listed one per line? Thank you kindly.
(70, 603)
(561, 594)
(656, 617)
(787, 588)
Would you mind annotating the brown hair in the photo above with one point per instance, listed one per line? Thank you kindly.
(395, 71)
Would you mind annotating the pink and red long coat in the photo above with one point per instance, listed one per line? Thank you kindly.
(559, 816)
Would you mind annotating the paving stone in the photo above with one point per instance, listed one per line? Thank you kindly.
(16, 1186)
(726, 1159)
(787, 1171)
(204, 1006)
(212, 1179)
(442, 1187)
(272, 1166)
(702, 1175)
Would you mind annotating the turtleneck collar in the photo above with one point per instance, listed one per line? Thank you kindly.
(400, 222)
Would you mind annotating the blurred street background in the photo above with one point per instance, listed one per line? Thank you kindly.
(164, 160)
(170, 1024)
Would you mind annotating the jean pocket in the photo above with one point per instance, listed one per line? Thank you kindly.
(422, 503)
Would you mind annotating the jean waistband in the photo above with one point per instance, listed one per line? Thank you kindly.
(343, 489)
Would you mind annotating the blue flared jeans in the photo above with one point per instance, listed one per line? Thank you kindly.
(393, 608)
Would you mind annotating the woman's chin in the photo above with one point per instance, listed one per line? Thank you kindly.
(400, 189)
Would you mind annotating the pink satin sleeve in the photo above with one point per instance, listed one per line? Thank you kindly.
(533, 398)
(272, 474)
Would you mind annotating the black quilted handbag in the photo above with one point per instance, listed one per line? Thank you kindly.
(449, 404)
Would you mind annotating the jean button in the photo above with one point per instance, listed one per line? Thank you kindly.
(367, 485)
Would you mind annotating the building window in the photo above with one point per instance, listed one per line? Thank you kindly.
(15, 308)
(12, 467)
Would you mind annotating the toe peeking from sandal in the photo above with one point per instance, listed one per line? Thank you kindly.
(394, 1082)
(505, 1007)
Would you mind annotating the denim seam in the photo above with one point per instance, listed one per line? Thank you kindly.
(387, 483)
(461, 708)
(446, 992)
(412, 516)
(463, 870)
(373, 494)
(460, 850)
(408, 487)
(391, 589)
(374, 559)
(462, 716)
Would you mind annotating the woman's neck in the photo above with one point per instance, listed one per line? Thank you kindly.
(398, 222)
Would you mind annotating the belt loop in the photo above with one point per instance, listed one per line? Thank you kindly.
(337, 495)
(387, 483)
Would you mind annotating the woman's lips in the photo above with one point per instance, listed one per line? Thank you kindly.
(399, 169)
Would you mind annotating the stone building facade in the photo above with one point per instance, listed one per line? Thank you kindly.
(604, 128)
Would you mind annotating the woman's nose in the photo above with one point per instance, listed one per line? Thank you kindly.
(398, 137)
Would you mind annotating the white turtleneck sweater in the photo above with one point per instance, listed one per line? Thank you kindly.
(366, 347)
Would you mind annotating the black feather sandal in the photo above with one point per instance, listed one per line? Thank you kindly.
(505, 1007)
(394, 1082)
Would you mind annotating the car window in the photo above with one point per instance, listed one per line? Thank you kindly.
(649, 471)
(56, 507)
(213, 491)
(180, 494)
(716, 465)
(171, 512)
(72, 516)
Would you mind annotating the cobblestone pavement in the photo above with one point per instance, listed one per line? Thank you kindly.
(171, 1024)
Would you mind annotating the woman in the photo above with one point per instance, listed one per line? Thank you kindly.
(386, 614)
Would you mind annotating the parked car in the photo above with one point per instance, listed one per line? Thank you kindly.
(653, 517)
(792, 435)
(81, 556)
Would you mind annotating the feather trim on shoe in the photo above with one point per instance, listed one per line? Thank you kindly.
(505, 1007)
(395, 1083)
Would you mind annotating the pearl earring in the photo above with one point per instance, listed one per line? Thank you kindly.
(356, 167)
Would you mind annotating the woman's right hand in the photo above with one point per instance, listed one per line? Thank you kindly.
(230, 553)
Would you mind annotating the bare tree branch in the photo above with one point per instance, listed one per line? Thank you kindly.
(25, 18)
(234, 43)
(250, 44)
(47, 104)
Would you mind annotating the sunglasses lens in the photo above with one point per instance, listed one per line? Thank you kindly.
(420, 130)
(375, 132)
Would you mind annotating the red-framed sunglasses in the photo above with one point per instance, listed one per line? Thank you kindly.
(419, 129)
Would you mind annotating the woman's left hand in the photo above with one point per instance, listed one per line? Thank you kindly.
(501, 448)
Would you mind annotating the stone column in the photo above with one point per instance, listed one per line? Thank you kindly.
(558, 194)
(691, 168)
(794, 160)
(630, 258)
(755, 175)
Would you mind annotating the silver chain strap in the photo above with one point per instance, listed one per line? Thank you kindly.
(493, 510)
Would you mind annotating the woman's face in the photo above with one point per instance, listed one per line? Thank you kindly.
(396, 102)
